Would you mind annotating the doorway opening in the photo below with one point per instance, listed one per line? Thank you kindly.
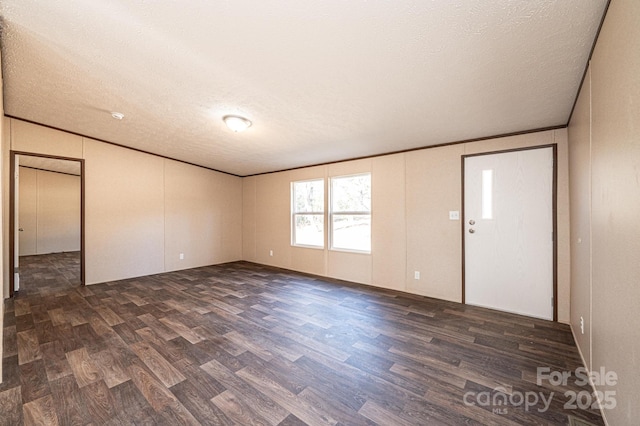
(46, 223)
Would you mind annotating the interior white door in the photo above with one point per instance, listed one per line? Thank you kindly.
(508, 228)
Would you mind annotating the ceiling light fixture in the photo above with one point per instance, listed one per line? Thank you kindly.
(117, 115)
(236, 123)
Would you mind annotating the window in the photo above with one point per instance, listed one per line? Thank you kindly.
(307, 213)
(351, 212)
(487, 194)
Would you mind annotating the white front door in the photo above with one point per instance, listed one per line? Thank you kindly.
(508, 231)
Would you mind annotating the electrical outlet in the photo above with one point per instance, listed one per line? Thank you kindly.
(416, 275)
(271, 253)
(582, 325)
(454, 215)
(181, 256)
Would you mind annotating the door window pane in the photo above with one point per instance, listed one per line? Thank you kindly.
(487, 194)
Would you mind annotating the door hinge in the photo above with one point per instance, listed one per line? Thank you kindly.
(552, 301)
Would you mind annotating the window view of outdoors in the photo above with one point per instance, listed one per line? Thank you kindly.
(308, 213)
(351, 212)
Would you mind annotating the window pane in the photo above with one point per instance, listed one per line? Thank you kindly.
(352, 232)
(309, 229)
(308, 196)
(487, 194)
(351, 194)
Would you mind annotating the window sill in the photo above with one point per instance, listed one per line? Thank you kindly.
(307, 247)
(344, 250)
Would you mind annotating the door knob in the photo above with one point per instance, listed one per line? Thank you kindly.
(472, 222)
(471, 231)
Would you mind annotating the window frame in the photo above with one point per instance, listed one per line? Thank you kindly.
(349, 213)
(322, 214)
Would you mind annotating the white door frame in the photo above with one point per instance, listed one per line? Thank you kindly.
(554, 216)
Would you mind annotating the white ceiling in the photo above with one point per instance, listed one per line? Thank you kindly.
(321, 80)
(50, 164)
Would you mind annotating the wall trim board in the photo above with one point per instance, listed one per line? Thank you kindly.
(462, 216)
(586, 67)
(117, 144)
(83, 247)
(52, 157)
(402, 151)
(12, 218)
(554, 214)
(12, 222)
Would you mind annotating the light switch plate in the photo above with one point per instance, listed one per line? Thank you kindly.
(454, 215)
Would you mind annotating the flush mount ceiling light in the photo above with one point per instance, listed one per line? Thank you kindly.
(117, 115)
(236, 123)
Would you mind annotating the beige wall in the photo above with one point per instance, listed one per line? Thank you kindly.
(202, 219)
(49, 206)
(412, 194)
(434, 243)
(580, 179)
(141, 210)
(124, 218)
(58, 212)
(27, 211)
(605, 164)
(389, 244)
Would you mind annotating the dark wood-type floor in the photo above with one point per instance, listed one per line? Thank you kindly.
(245, 344)
(51, 273)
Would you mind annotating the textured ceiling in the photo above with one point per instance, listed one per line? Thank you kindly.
(51, 164)
(321, 81)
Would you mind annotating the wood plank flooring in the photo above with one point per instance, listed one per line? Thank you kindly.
(50, 273)
(244, 344)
